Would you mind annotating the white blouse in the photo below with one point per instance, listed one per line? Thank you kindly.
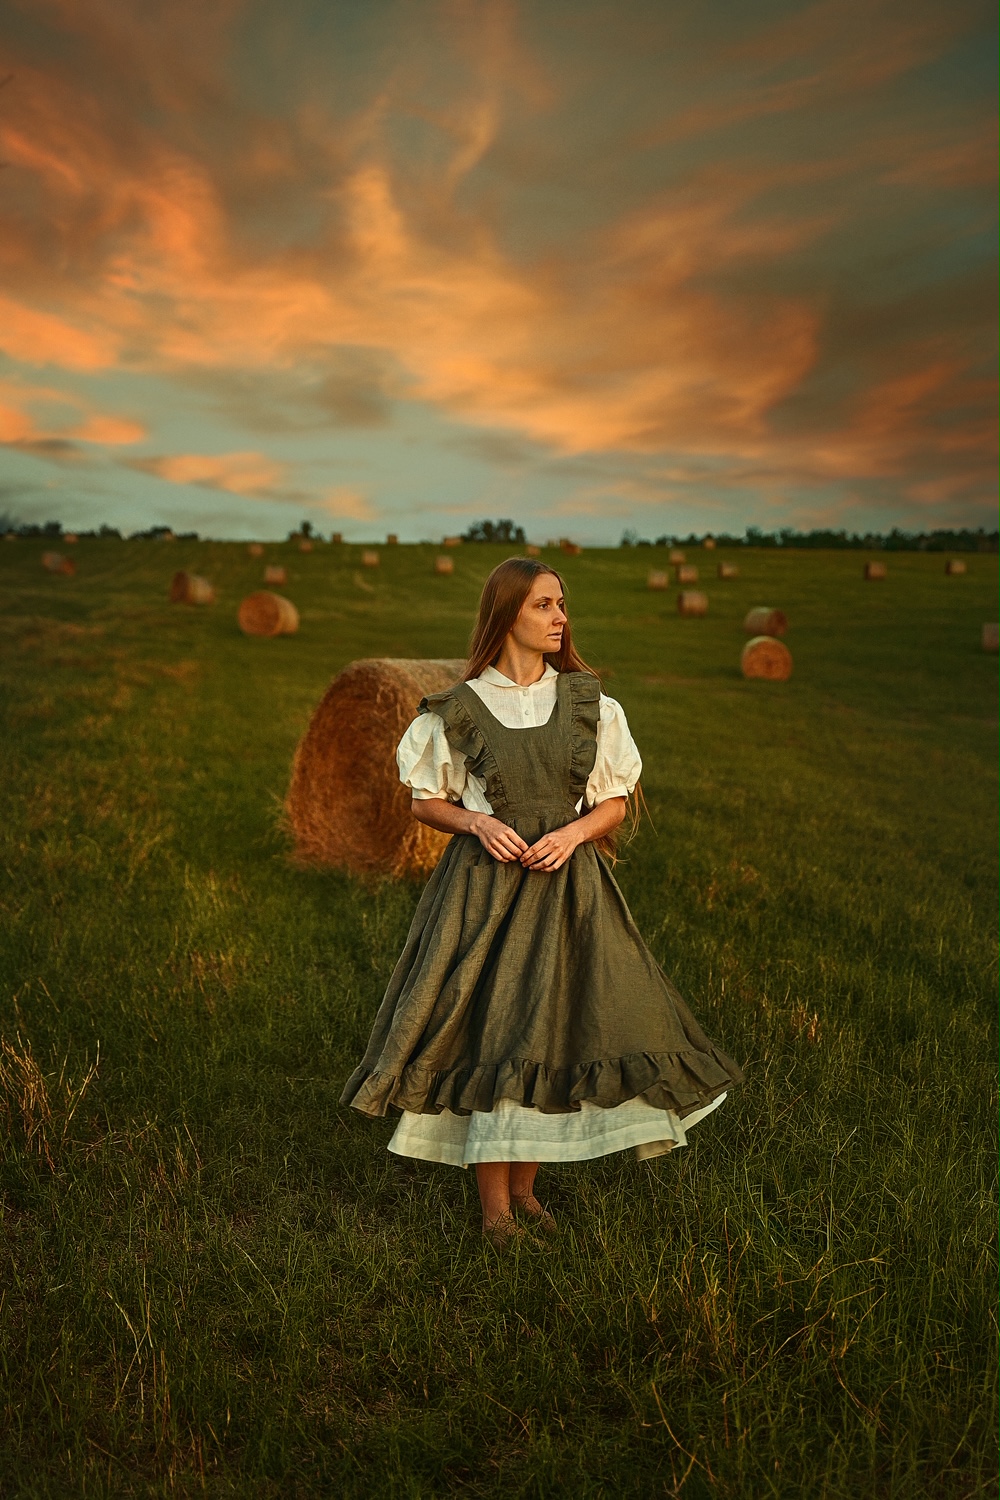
(431, 768)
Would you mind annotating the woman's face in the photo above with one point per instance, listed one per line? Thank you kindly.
(539, 626)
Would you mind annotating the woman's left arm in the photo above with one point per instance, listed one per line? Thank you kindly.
(554, 849)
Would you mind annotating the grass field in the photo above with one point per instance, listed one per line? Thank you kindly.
(215, 1281)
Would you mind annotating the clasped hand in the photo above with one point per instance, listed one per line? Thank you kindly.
(547, 853)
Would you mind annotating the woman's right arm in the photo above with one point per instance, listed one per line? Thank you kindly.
(448, 817)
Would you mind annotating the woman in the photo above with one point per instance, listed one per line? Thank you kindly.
(526, 1020)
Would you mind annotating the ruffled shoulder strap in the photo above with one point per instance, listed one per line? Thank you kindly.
(456, 706)
(585, 704)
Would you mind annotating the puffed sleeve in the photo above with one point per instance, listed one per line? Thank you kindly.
(427, 763)
(617, 767)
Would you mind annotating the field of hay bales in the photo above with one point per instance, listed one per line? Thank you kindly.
(214, 1280)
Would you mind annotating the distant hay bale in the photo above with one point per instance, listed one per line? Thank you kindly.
(392, 539)
(190, 588)
(10, 536)
(532, 551)
(687, 573)
(658, 581)
(275, 573)
(690, 602)
(255, 549)
(676, 556)
(444, 565)
(875, 570)
(71, 539)
(54, 562)
(571, 549)
(336, 536)
(953, 567)
(709, 544)
(264, 613)
(728, 570)
(765, 657)
(346, 805)
(991, 632)
(452, 541)
(765, 621)
(369, 559)
(305, 545)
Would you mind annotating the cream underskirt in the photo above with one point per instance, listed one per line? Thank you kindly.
(513, 1132)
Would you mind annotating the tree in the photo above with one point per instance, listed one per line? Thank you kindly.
(495, 531)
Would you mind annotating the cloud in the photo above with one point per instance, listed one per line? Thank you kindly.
(346, 502)
(298, 269)
(34, 420)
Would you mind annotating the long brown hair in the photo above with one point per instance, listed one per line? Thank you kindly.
(504, 593)
(500, 603)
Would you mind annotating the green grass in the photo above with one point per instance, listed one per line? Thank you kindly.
(214, 1280)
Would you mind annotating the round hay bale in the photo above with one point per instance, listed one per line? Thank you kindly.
(953, 567)
(875, 570)
(687, 573)
(10, 536)
(765, 657)
(452, 541)
(676, 556)
(369, 559)
(690, 603)
(305, 545)
(54, 562)
(728, 570)
(444, 565)
(392, 539)
(255, 549)
(71, 539)
(991, 634)
(275, 573)
(658, 580)
(709, 544)
(571, 549)
(190, 588)
(532, 551)
(336, 536)
(765, 621)
(345, 804)
(264, 613)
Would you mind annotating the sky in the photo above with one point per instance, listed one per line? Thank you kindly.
(399, 265)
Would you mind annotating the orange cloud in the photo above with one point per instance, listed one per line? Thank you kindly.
(250, 474)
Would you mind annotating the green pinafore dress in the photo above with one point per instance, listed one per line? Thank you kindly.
(529, 988)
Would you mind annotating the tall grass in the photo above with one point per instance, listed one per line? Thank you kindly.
(216, 1281)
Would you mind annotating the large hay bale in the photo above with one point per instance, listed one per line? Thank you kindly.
(54, 562)
(658, 580)
(452, 541)
(690, 603)
(728, 570)
(264, 613)
(369, 559)
(392, 539)
(71, 539)
(676, 556)
(346, 804)
(305, 545)
(875, 570)
(275, 573)
(532, 551)
(571, 549)
(336, 536)
(991, 634)
(687, 573)
(444, 565)
(709, 544)
(953, 567)
(191, 588)
(255, 549)
(766, 657)
(765, 621)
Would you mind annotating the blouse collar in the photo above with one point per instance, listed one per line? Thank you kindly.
(497, 679)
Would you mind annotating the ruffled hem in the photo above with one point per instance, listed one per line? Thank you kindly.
(678, 1081)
